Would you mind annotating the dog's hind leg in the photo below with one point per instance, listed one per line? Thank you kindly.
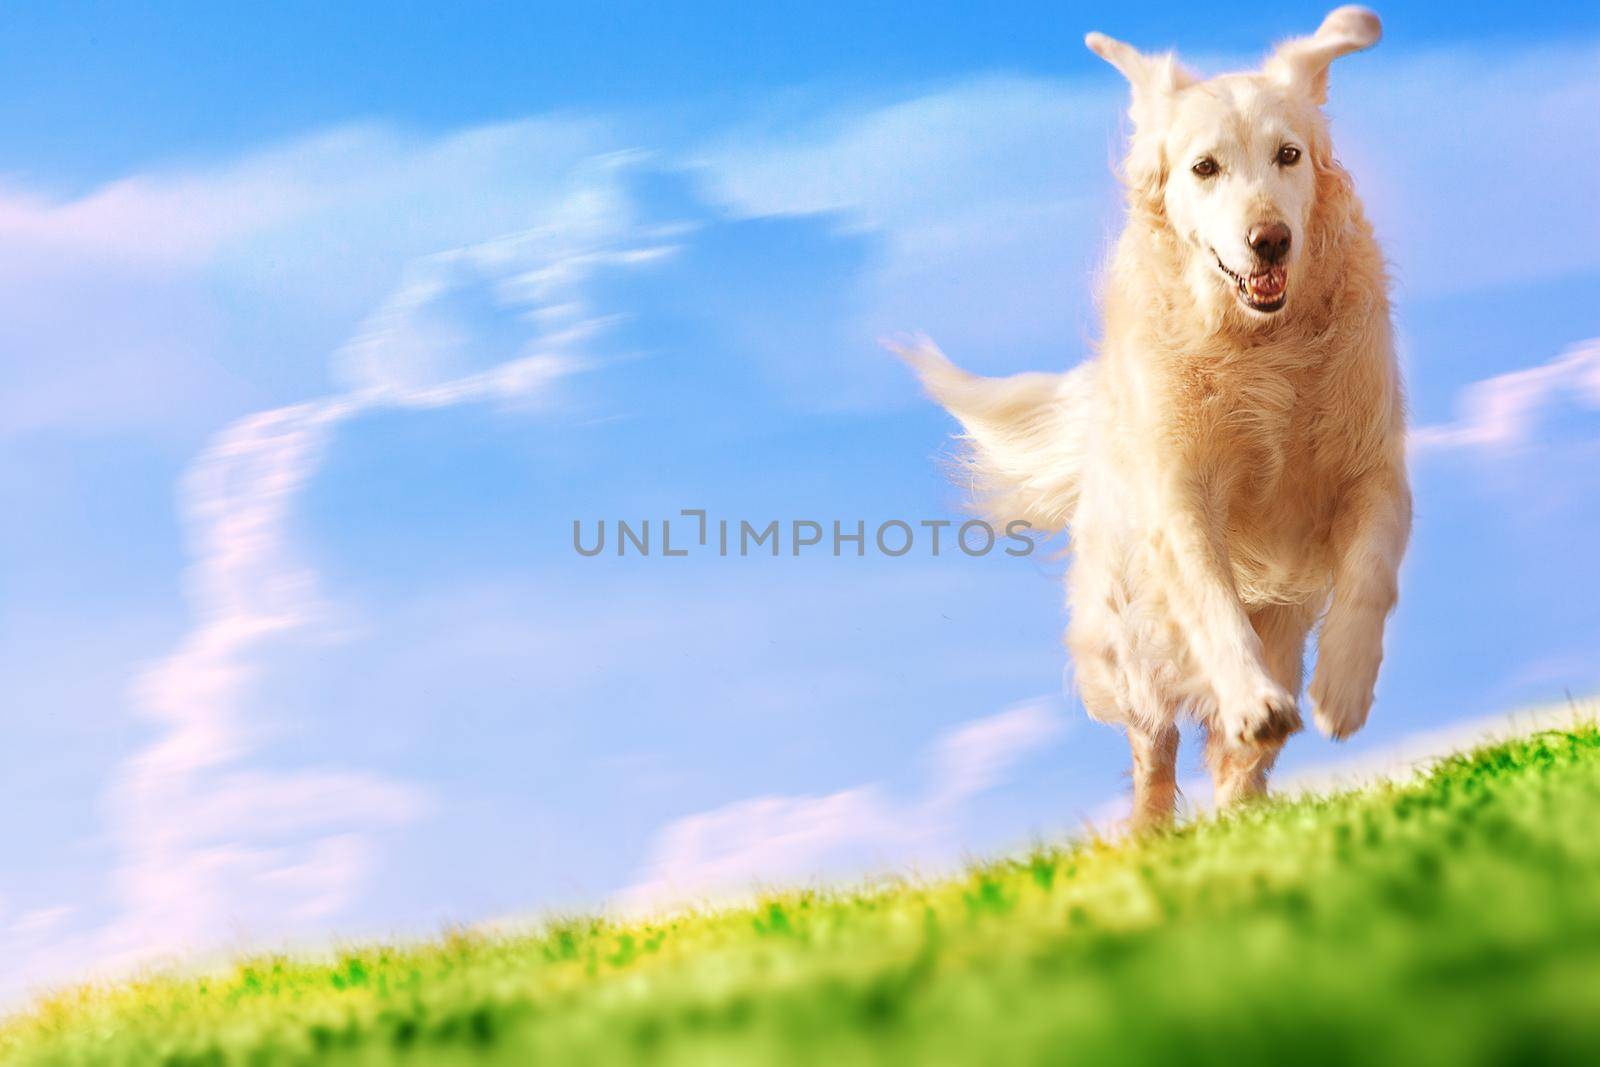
(1239, 772)
(1119, 685)
(1155, 775)
(1106, 698)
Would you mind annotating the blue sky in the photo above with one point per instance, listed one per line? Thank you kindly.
(318, 330)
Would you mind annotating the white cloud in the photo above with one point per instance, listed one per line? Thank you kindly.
(1476, 161)
(212, 849)
(186, 826)
(980, 755)
(151, 220)
(247, 587)
(892, 166)
(35, 943)
(990, 198)
(495, 319)
(217, 288)
(774, 840)
(38, 922)
(496, 176)
(1502, 412)
(770, 839)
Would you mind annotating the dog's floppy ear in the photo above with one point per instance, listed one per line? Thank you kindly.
(1154, 79)
(1303, 62)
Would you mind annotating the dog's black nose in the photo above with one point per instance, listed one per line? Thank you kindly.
(1270, 241)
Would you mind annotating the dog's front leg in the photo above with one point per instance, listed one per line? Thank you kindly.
(1251, 705)
(1369, 537)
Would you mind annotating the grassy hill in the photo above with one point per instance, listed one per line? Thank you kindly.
(1453, 919)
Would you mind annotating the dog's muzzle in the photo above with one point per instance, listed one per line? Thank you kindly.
(1265, 291)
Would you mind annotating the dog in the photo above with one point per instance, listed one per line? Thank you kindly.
(1230, 465)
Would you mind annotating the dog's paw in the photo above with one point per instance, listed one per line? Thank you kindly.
(1347, 673)
(1339, 710)
(1269, 713)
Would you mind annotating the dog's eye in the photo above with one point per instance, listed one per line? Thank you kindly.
(1288, 155)
(1205, 168)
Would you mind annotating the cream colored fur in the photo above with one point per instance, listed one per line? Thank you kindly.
(1229, 477)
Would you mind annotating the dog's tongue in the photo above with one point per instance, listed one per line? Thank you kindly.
(1267, 285)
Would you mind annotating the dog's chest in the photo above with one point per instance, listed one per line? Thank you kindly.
(1273, 465)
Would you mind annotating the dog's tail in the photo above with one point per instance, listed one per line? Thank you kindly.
(1026, 435)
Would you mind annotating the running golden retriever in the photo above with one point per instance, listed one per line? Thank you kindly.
(1231, 467)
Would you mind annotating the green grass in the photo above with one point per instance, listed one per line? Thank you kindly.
(1454, 919)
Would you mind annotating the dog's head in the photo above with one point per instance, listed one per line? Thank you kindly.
(1234, 165)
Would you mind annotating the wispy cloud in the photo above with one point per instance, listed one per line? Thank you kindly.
(185, 824)
(213, 848)
(990, 199)
(785, 839)
(179, 825)
(1502, 412)
(1469, 204)
(317, 228)
(35, 943)
(981, 755)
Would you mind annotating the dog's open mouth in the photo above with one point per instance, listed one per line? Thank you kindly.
(1264, 291)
